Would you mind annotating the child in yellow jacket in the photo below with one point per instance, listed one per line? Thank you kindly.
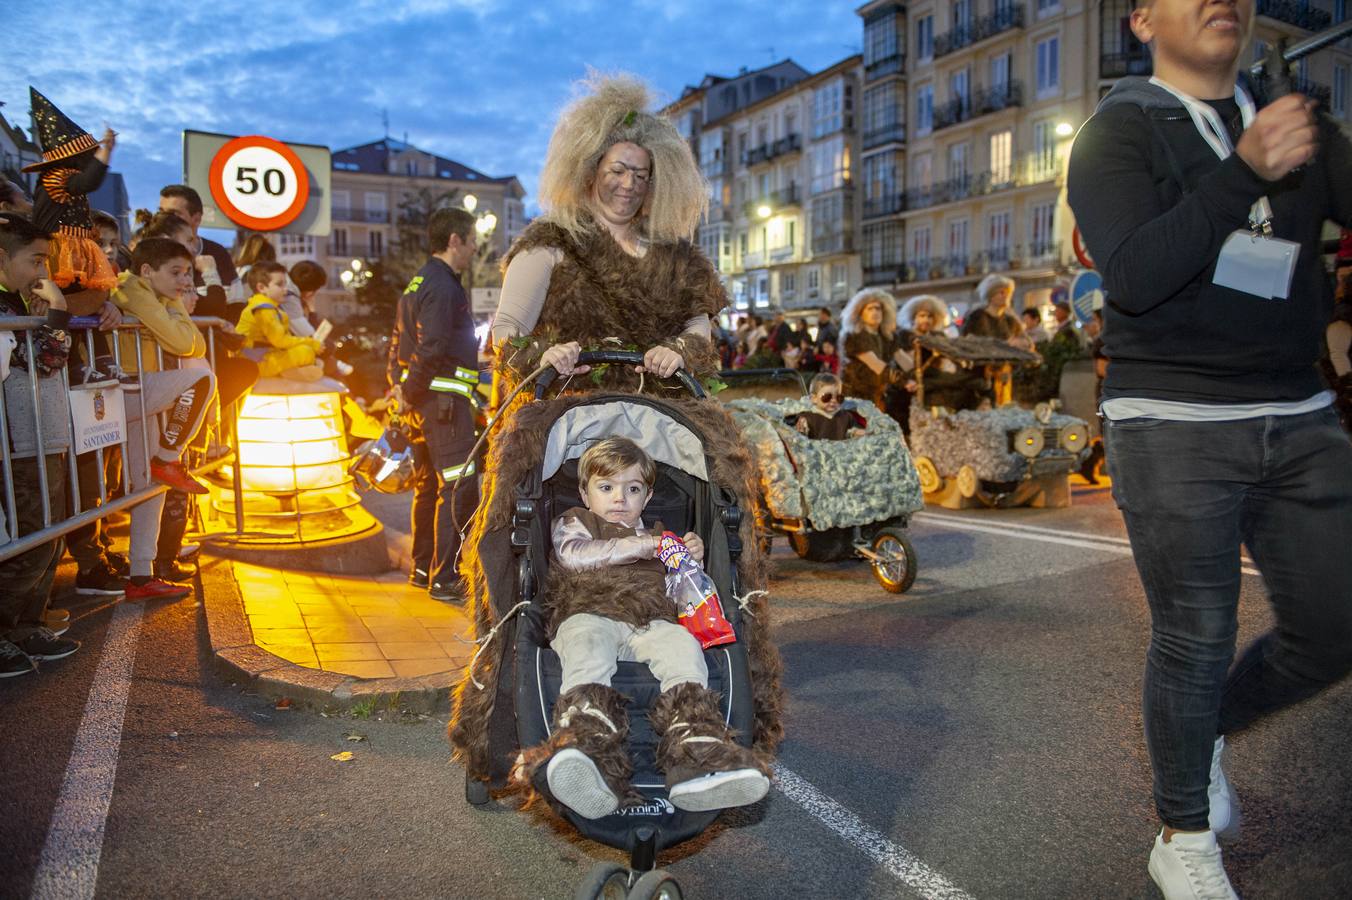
(267, 330)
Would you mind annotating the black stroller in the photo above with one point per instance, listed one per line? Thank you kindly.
(684, 499)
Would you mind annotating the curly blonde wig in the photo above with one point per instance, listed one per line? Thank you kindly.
(612, 109)
(850, 318)
(937, 308)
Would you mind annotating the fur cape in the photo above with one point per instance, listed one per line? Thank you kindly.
(600, 295)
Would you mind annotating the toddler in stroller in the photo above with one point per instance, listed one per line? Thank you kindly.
(586, 758)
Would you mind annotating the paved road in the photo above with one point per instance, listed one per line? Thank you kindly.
(979, 735)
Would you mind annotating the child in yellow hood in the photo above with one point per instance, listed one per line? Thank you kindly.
(161, 273)
(267, 330)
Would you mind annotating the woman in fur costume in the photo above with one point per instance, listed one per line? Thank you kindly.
(873, 358)
(73, 166)
(609, 265)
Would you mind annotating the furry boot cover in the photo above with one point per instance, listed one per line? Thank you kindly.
(586, 759)
(706, 768)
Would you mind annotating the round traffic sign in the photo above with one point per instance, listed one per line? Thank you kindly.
(259, 183)
(1086, 295)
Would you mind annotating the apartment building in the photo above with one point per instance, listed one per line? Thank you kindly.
(778, 148)
(970, 107)
(371, 183)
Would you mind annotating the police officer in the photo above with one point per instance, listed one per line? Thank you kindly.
(433, 372)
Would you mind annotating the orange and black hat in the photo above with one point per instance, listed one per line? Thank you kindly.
(57, 135)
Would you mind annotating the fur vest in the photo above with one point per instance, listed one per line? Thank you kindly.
(635, 593)
(603, 298)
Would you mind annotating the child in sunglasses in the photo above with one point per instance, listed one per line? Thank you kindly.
(828, 422)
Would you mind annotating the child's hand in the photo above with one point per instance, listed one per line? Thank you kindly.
(801, 425)
(205, 263)
(51, 294)
(854, 433)
(694, 545)
(317, 346)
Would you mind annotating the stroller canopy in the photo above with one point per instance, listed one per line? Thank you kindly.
(661, 436)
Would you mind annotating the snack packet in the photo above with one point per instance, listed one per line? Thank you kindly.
(695, 595)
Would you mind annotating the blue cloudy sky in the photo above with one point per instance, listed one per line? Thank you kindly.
(479, 81)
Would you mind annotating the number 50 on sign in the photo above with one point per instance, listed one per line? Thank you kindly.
(259, 183)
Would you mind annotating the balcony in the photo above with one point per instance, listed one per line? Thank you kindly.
(1040, 255)
(753, 260)
(782, 254)
(884, 206)
(983, 101)
(1119, 65)
(772, 150)
(1293, 12)
(1001, 20)
(346, 214)
(1034, 168)
(885, 65)
(884, 273)
(883, 134)
(778, 201)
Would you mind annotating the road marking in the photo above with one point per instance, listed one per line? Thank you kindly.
(1116, 545)
(69, 867)
(903, 864)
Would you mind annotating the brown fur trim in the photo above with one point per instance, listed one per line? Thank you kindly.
(608, 749)
(697, 707)
(622, 593)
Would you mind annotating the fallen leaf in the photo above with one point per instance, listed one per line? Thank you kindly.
(354, 737)
(284, 703)
(342, 757)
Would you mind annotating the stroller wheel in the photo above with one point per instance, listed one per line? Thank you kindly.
(606, 881)
(894, 564)
(655, 885)
(476, 791)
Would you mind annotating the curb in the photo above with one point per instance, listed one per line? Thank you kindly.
(237, 658)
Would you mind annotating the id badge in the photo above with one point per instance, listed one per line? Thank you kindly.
(1261, 266)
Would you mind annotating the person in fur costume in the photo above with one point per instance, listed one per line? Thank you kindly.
(586, 761)
(609, 264)
(73, 166)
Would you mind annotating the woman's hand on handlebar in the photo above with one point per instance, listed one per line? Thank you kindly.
(563, 357)
(661, 361)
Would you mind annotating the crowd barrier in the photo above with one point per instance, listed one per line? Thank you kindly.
(57, 523)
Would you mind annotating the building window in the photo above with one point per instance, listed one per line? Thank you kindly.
(742, 242)
(830, 225)
(1048, 66)
(341, 204)
(1002, 157)
(788, 284)
(1045, 7)
(1339, 11)
(840, 275)
(338, 242)
(880, 176)
(830, 165)
(1000, 71)
(375, 207)
(958, 90)
(924, 109)
(814, 278)
(882, 245)
(957, 243)
(880, 39)
(1044, 149)
(1041, 228)
(1338, 97)
(957, 163)
(377, 244)
(924, 171)
(924, 38)
(920, 247)
(962, 16)
(997, 237)
(830, 108)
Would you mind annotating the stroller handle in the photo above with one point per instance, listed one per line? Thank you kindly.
(621, 357)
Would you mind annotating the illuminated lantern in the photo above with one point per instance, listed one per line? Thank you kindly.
(293, 461)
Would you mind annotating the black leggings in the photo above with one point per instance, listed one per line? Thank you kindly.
(188, 409)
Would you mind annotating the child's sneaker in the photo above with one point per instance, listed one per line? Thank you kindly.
(13, 661)
(154, 589)
(575, 782)
(44, 644)
(101, 581)
(1189, 867)
(174, 475)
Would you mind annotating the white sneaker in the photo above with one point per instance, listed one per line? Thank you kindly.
(575, 782)
(1224, 817)
(1189, 868)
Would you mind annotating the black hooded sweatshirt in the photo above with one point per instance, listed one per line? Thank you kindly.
(1155, 203)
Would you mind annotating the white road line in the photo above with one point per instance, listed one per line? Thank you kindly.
(1118, 546)
(69, 867)
(899, 861)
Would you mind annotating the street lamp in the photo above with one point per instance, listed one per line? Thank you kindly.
(469, 202)
(1064, 129)
(485, 224)
(356, 276)
(764, 211)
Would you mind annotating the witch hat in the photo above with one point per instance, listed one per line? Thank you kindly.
(57, 135)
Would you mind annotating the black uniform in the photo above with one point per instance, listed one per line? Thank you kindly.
(434, 355)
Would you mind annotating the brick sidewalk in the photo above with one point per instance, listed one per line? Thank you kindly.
(366, 627)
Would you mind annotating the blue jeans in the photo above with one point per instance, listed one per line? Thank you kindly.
(1191, 493)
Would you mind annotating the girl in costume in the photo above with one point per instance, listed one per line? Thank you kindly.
(73, 166)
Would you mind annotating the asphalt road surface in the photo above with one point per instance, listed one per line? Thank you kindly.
(979, 736)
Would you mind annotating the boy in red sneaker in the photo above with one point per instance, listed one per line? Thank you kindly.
(160, 275)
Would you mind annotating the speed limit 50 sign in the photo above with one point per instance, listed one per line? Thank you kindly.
(259, 183)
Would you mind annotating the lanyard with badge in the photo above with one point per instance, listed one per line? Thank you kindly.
(1251, 261)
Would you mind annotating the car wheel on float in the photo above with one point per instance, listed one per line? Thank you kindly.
(894, 564)
(929, 475)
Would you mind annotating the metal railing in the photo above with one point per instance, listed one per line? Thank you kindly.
(55, 522)
(1005, 18)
